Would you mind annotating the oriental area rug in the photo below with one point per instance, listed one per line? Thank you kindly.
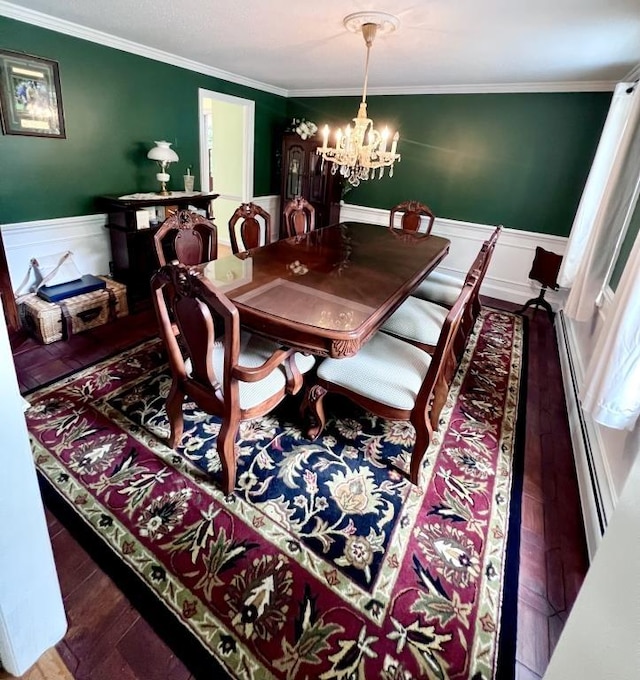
(326, 562)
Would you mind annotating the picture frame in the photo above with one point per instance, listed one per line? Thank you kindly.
(30, 96)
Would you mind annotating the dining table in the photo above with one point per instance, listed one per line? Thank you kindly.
(328, 291)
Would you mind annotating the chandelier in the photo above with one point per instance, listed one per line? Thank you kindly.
(361, 149)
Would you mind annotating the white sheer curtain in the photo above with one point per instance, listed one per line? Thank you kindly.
(596, 182)
(611, 390)
(606, 206)
(611, 393)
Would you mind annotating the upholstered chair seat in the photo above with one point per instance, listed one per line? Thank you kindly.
(368, 373)
(441, 288)
(418, 321)
(254, 351)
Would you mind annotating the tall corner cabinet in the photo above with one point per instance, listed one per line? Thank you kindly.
(303, 175)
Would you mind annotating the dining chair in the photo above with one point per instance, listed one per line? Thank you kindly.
(443, 289)
(249, 227)
(299, 217)
(231, 374)
(412, 214)
(420, 322)
(393, 379)
(186, 237)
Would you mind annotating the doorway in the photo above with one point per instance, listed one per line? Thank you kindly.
(226, 153)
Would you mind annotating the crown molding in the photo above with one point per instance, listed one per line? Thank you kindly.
(77, 31)
(575, 86)
(52, 23)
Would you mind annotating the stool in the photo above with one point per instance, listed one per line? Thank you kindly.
(544, 269)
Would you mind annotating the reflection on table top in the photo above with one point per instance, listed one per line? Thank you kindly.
(329, 290)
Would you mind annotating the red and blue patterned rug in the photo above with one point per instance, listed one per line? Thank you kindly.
(326, 562)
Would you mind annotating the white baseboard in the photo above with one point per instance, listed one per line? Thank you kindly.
(507, 278)
(597, 491)
(85, 236)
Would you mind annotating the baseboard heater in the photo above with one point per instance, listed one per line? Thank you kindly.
(595, 495)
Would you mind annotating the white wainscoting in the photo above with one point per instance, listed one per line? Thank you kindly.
(507, 277)
(85, 236)
(271, 204)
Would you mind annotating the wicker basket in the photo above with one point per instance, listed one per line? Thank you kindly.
(51, 321)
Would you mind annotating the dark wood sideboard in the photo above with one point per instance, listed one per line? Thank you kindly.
(132, 249)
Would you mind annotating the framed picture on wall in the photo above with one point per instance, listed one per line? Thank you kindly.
(30, 98)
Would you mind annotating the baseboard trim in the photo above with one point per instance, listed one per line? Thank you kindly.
(596, 493)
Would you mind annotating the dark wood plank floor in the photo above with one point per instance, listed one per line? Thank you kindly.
(107, 638)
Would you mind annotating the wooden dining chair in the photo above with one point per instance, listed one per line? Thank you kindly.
(393, 379)
(231, 374)
(412, 213)
(299, 217)
(249, 227)
(420, 322)
(443, 289)
(186, 237)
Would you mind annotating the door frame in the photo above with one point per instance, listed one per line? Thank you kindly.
(248, 117)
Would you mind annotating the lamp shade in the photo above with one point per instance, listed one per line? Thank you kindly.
(162, 151)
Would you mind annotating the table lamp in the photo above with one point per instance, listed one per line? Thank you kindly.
(163, 154)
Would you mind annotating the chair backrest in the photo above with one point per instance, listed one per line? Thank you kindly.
(435, 387)
(412, 214)
(249, 227)
(203, 315)
(299, 217)
(186, 237)
(487, 251)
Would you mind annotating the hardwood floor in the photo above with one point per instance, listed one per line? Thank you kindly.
(107, 638)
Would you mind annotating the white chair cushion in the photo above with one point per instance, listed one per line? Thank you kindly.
(416, 319)
(254, 351)
(385, 369)
(443, 289)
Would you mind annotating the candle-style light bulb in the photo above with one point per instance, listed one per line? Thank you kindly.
(385, 137)
(394, 143)
(338, 137)
(325, 136)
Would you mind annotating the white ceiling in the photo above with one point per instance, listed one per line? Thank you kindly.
(298, 48)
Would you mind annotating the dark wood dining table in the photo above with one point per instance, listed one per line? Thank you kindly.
(328, 291)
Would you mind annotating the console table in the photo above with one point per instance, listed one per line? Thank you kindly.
(132, 249)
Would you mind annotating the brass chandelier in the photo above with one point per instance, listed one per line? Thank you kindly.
(361, 149)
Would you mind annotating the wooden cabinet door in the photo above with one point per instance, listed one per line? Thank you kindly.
(304, 174)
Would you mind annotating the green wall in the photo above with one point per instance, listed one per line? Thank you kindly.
(115, 105)
(515, 159)
(520, 160)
